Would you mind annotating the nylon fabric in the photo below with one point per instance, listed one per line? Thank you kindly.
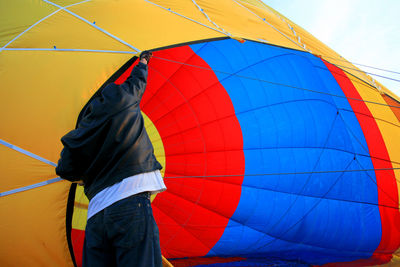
(32, 106)
(211, 129)
(29, 187)
(245, 24)
(74, 33)
(174, 101)
(143, 27)
(187, 8)
(12, 171)
(18, 15)
(25, 215)
(297, 124)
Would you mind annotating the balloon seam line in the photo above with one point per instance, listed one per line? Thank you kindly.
(272, 26)
(304, 186)
(94, 25)
(360, 64)
(335, 58)
(182, 227)
(254, 228)
(209, 19)
(366, 149)
(275, 174)
(379, 187)
(29, 187)
(275, 83)
(36, 23)
(55, 49)
(308, 212)
(27, 153)
(293, 193)
(365, 72)
(176, 13)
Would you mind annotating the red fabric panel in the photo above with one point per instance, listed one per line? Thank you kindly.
(201, 135)
(386, 181)
(78, 236)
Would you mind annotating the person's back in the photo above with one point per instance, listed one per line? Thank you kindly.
(112, 155)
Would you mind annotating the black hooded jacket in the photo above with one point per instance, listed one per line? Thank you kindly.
(110, 142)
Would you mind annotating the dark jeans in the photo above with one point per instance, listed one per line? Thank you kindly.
(123, 234)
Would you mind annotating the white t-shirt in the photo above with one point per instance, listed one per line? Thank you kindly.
(149, 181)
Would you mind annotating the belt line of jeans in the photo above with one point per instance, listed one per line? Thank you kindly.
(146, 194)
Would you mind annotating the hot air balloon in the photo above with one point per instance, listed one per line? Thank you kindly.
(273, 146)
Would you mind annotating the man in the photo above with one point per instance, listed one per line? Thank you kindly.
(111, 154)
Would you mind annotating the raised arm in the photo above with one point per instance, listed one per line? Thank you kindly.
(137, 81)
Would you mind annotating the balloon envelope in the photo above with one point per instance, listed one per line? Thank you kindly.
(271, 146)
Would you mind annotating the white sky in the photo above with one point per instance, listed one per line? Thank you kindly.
(362, 31)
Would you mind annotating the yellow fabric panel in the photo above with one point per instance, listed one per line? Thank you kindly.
(240, 22)
(64, 3)
(80, 198)
(19, 170)
(156, 140)
(166, 263)
(158, 145)
(186, 8)
(33, 227)
(79, 217)
(271, 17)
(43, 93)
(388, 124)
(64, 30)
(145, 26)
(18, 15)
(256, 3)
(284, 25)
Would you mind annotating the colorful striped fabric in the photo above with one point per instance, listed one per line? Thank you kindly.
(273, 146)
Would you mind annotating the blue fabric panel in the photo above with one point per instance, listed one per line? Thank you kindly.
(289, 206)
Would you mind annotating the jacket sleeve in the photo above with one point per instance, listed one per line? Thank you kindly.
(137, 81)
(71, 163)
(66, 168)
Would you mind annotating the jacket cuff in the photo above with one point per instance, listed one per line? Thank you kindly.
(142, 65)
